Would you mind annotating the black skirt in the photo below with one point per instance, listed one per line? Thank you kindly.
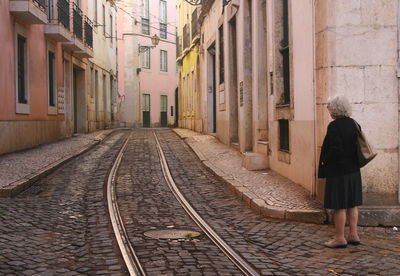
(343, 192)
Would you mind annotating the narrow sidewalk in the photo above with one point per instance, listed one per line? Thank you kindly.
(19, 170)
(267, 192)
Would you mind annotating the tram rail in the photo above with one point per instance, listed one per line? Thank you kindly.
(131, 260)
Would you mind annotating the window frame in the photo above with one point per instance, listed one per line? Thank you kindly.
(51, 106)
(22, 107)
(162, 69)
(145, 17)
(163, 6)
(104, 20)
(284, 142)
(142, 58)
(164, 96)
(221, 54)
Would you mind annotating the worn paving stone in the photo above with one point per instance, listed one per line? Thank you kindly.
(146, 203)
(60, 225)
(276, 244)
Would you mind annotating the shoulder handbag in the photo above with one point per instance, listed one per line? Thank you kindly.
(365, 150)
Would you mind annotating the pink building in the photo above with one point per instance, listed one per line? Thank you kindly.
(49, 89)
(148, 75)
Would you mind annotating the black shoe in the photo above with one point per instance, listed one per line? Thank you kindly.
(329, 245)
(354, 242)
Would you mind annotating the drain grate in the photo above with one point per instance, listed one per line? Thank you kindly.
(171, 234)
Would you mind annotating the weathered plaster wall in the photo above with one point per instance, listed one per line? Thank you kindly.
(299, 164)
(356, 50)
(19, 131)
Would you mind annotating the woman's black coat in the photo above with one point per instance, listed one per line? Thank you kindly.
(339, 150)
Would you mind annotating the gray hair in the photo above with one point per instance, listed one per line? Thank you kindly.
(339, 106)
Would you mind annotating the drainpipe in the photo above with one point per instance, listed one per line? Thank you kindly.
(315, 178)
(398, 86)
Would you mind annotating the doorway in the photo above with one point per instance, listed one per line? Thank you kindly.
(79, 104)
(164, 111)
(211, 91)
(146, 110)
(176, 107)
(233, 97)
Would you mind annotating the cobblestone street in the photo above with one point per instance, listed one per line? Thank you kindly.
(61, 226)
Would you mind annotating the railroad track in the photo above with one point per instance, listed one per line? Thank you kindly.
(128, 253)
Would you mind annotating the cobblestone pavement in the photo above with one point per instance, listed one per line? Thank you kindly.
(146, 203)
(60, 226)
(275, 189)
(17, 165)
(276, 247)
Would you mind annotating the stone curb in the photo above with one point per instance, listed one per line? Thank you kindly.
(252, 200)
(22, 184)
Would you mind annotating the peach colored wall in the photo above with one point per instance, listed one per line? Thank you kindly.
(154, 81)
(37, 69)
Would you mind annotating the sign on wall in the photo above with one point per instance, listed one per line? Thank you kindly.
(61, 100)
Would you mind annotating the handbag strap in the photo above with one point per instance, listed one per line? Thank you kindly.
(357, 125)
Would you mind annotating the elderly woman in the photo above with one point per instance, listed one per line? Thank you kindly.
(339, 165)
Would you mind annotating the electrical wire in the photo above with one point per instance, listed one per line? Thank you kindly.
(137, 21)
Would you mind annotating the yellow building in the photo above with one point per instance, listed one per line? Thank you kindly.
(187, 59)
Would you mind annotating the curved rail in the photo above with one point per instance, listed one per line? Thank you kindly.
(130, 258)
(246, 268)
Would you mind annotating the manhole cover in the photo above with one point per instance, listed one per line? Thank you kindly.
(172, 234)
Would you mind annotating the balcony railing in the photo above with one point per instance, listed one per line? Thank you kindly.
(195, 24)
(88, 32)
(63, 13)
(41, 3)
(178, 47)
(186, 36)
(59, 13)
(78, 22)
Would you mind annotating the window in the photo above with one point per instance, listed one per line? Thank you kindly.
(221, 55)
(95, 12)
(163, 61)
(111, 28)
(285, 54)
(163, 30)
(164, 103)
(92, 82)
(284, 135)
(145, 17)
(22, 90)
(145, 59)
(104, 20)
(51, 78)
(146, 103)
(163, 19)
